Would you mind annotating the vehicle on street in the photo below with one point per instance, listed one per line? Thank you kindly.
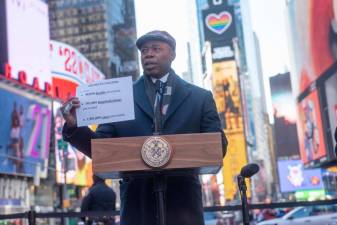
(308, 215)
(213, 218)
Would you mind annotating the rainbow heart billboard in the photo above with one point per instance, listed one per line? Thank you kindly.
(218, 23)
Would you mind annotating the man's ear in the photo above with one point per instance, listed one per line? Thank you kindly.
(173, 55)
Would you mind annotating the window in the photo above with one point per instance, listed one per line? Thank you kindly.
(303, 212)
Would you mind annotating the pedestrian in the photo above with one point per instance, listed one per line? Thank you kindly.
(336, 141)
(183, 108)
(99, 198)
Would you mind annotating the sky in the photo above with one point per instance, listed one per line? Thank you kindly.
(166, 15)
(269, 23)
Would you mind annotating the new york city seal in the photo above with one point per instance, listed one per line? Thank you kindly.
(156, 152)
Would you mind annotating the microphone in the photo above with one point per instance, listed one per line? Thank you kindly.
(249, 170)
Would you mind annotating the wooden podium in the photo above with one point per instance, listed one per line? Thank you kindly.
(189, 153)
(120, 157)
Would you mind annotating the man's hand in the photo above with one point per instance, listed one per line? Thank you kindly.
(68, 111)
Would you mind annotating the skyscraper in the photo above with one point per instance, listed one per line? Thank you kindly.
(104, 31)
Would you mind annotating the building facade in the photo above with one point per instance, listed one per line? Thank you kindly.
(104, 31)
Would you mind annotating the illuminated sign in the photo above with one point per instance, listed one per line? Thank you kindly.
(293, 176)
(310, 129)
(69, 64)
(25, 132)
(27, 39)
(72, 166)
(285, 129)
(226, 93)
(22, 80)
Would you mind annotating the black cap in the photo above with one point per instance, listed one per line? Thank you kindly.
(157, 35)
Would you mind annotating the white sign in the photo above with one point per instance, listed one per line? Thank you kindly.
(105, 101)
(28, 39)
(222, 52)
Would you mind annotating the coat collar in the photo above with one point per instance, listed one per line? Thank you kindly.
(181, 91)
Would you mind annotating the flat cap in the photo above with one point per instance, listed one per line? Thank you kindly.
(156, 35)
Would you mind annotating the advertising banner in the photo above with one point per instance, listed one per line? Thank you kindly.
(285, 116)
(72, 166)
(330, 87)
(26, 39)
(313, 33)
(25, 132)
(226, 93)
(310, 128)
(293, 177)
(69, 69)
(218, 21)
(219, 29)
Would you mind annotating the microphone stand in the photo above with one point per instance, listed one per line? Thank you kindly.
(244, 208)
(159, 190)
(159, 179)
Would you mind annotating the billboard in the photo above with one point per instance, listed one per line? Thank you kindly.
(285, 129)
(25, 34)
(226, 92)
(313, 34)
(293, 177)
(69, 68)
(330, 91)
(25, 132)
(72, 166)
(219, 29)
(310, 129)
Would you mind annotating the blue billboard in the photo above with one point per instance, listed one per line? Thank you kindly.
(293, 177)
(25, 132)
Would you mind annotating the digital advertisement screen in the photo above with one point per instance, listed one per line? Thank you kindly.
(331, 96)
(310, 129)
(226, 92)
(313, 33)
(285, 129)
(69, 69)
(293, 177)
(219, 29)
(25, 132)
(72, 166)
(27, 29)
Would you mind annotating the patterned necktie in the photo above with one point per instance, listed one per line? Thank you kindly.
(159, 87)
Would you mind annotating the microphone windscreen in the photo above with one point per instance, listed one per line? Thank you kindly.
(249, 170)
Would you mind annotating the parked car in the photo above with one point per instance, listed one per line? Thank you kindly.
(213, 218)
(309, 215)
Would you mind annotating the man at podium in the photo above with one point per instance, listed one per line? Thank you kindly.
(164, 104)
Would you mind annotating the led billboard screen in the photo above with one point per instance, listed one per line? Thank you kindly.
(72, 166)
(219, 29)
(285, 130)
(293, 177)
(27, 38)
(310, 129)
(69, 69)
(313, 33)
(330, 87)
(25, 132)
(226, 92)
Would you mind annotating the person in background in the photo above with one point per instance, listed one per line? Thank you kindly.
(100, 197)
(336, 141)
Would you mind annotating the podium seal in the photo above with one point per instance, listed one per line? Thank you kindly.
(156, 152)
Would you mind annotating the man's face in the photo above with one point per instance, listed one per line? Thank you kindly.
(156, 57)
